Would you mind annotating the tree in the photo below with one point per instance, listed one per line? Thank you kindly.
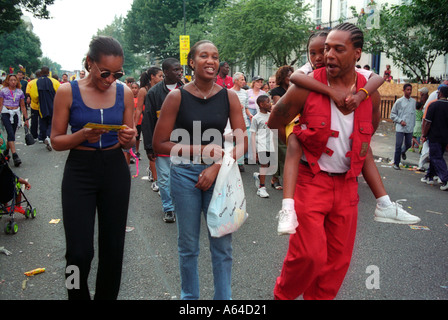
(434, 16)
(11, 12)
(20, 46)
(132, 62)
(55, 67)
(248, 30)
(196, 31)
(403, 38)
(147, 25)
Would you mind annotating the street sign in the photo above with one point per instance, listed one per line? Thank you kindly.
(184, 43)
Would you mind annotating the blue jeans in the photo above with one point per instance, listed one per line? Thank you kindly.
(163, 181)
(189, 201)
(399, 148)
(437, 164)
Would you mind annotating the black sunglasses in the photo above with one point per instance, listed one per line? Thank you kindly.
(106, 74)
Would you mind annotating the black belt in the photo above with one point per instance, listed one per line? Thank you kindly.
(331, 174)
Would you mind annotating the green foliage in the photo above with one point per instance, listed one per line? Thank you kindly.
(196, 30)
(55, 68)
(148, 24)
(433, 14)
(11, 12)
(405, 39)
(248, 30)
(20, 46)
(133, 63)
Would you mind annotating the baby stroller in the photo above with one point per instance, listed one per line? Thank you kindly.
(11, 192)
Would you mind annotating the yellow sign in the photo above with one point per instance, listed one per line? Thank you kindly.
(184, 43)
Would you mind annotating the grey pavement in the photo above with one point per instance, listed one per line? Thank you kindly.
(412, 262)
(383, 147)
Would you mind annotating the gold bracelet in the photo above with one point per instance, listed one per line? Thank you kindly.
(365, 91)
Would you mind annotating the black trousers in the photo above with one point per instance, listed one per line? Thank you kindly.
(34, 123)
(95, 181)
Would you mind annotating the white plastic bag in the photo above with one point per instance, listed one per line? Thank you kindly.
(227, 208)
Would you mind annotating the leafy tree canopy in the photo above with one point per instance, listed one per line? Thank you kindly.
(247, 30)
(405, 39)
(20, 46)
(133, 63)
(11, 12)
(148, 23)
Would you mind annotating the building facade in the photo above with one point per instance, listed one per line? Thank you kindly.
(329, 13)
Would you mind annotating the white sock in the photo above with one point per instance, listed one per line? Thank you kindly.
(288, 204)
(383, 202)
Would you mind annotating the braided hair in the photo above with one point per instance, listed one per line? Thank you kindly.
(357, 36)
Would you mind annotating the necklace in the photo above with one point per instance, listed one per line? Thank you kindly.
(13, 94)
(205, 96)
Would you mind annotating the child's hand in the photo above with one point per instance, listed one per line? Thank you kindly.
(338, 97)
(352, 102)
(25, 183)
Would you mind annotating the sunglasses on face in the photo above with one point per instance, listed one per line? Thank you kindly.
(106, 74)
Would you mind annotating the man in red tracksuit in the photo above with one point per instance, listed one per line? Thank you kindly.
(335, 145)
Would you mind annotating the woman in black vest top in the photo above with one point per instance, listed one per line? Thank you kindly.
(200, 104)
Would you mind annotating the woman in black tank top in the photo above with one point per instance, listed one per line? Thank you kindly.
(199, 108)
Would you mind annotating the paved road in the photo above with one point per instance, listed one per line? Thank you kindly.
(412, 264)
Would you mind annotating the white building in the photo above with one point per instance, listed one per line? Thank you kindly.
(328, 13)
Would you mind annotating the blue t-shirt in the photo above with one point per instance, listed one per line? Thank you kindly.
(80, 115)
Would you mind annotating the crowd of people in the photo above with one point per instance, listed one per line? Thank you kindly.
(312, 147)
(423, 125)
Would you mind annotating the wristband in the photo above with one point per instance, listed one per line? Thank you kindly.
(365, 91)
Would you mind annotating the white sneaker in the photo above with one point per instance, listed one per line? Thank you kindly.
(154, 186)
(262, 192)
(444, 186)
(149, 174)
(48, 143)
(287, 222)
(395, 214)
(257, 179)
(427, 180)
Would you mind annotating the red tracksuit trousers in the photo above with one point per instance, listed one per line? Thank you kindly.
(320, 251)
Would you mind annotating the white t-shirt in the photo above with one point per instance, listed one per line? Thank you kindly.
(243, 97)
(171, 87)
(338, 162)
(264, 135)
(307, 68)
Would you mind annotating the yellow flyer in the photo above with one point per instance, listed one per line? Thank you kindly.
(109, 127)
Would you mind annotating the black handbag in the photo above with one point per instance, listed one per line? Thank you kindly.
(29, 139)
